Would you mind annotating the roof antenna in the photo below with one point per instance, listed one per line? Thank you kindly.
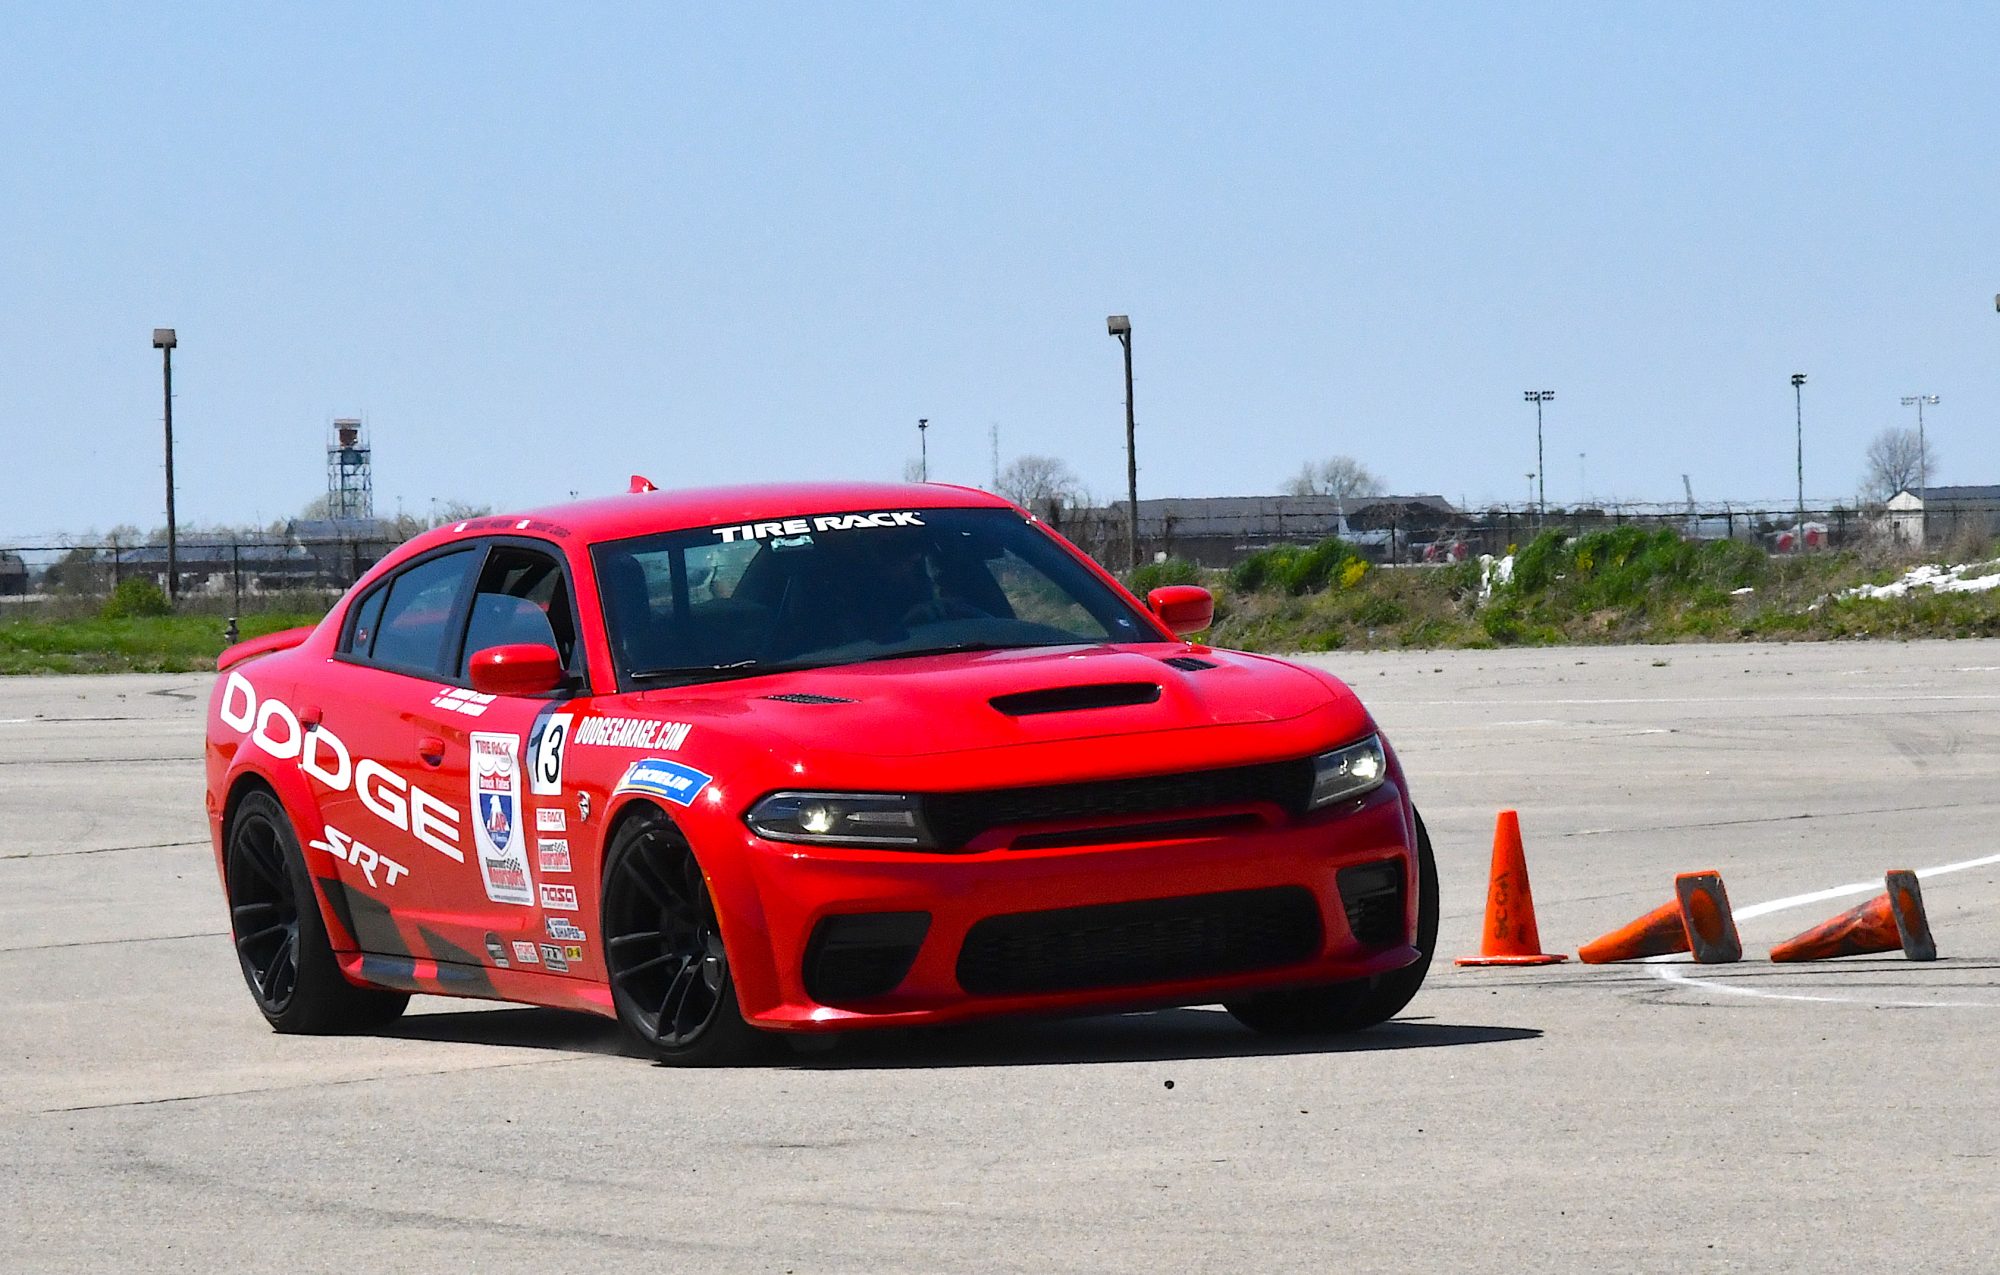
(640, 485)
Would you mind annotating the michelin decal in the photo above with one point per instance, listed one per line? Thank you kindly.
(498, 839)
(658, 777)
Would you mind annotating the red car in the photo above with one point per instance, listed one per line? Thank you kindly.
(728, 764)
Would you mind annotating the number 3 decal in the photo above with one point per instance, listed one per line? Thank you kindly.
(545, 773)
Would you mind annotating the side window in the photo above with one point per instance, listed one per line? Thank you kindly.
(417, 613)
(523, 597)
(367, 616)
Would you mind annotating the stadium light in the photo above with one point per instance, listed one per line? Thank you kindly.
(1539, 397)
(164, 341)
(1120, 326)
(923, 449)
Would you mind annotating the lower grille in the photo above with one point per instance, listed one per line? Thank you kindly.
(1373, 896)
(853, 958)
(1127, 944)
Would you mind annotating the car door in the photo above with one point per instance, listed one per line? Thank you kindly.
(399, 836)
(525, 906)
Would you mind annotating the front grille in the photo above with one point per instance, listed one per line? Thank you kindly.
(955, 818)
(1373, 896)
(1131, 944)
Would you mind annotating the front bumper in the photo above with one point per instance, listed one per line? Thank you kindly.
(1257, 906)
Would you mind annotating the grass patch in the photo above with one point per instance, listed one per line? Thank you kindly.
(134, 644)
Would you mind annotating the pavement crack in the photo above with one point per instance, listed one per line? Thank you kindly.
(310, 1084)
(137, 938)
(71, 854)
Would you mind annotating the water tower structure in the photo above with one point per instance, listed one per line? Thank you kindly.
(350, 481)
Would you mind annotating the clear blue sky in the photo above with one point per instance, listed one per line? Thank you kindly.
(541, 247)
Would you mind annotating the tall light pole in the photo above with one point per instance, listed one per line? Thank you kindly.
(923, 449)
(1539, 397)
(1924, 456)
(164, 342)
(1799, 418)
(1120, 326)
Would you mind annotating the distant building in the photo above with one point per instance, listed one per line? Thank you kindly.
(1219, 530)
(1944, 511)
(13, 575)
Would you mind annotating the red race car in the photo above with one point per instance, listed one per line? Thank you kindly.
(733, 763)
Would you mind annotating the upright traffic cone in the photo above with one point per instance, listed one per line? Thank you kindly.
(1698, 920)
(1891, 920)
(1512, 937)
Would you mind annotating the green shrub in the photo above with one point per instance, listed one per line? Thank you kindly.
(134, 598)
(1152, 575)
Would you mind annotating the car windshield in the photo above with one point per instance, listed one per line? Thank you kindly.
(814, 590)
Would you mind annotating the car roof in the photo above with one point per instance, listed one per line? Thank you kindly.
(643, 513)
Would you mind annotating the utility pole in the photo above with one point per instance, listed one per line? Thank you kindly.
(923, 449)
(164, 342)
(1539, 397)
(1121, 327)
(993, 436)
(1924, 456)
(1799, 416)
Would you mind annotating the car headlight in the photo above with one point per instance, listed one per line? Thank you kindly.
(1348, 772)
(841, 819)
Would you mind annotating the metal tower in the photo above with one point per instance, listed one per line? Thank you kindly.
(350, 481)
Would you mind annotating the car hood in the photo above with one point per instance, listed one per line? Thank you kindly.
(930, 705)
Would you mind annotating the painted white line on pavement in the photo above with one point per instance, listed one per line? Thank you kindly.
(1676, 973)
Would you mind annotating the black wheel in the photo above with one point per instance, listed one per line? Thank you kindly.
(663, 949)
(280, 937)
(1361, 1002)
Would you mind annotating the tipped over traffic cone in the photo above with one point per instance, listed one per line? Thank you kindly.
(1697, 920)
(1891, 920)
(1511, 935)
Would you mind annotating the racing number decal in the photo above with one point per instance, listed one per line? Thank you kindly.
(546, 768)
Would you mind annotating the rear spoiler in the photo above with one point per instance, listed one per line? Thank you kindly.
(282, 640)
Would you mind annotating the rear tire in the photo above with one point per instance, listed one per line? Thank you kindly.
(280, 936)
(1363, 1002)
(663, 951)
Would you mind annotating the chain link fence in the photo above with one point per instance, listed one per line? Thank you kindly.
(238, 574)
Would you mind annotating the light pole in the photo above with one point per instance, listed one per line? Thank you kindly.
(1531, 489)
(1539, 397)
(1924, 456)
(1799, 417)
(1120, 326)
(923, 449)
(164, 342)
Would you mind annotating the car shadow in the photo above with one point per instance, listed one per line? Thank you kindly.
(1164, 1035)
(521, 1027)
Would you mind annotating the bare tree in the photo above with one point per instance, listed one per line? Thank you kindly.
(913, 470)
(1898, 460)
(1043, 485)
(1341, 476)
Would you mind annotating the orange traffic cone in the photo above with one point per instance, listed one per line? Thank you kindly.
(1894, 919)
(1511, 935)
(1697, 920)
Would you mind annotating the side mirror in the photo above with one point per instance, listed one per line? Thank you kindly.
(1183, 608)
(523, 669)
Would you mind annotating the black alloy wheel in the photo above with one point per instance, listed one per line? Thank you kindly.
(664, 952)
(280, 938)
(1361, 1002)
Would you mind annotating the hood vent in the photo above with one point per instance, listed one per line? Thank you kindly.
(807, 697)
(1066, 699)
(1189, 663)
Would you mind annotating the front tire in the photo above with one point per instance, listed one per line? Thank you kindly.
(280, 936)
(663, 950)
(1363, 1002)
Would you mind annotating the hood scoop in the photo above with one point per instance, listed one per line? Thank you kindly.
(1068, 699)
(807, 697)
(1189, 663)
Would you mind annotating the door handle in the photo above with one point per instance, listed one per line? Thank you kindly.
(431, 749)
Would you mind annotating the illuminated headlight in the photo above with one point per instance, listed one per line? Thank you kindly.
(841, 819)
(1348, 772)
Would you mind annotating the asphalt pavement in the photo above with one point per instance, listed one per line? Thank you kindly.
(1653, 1117)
